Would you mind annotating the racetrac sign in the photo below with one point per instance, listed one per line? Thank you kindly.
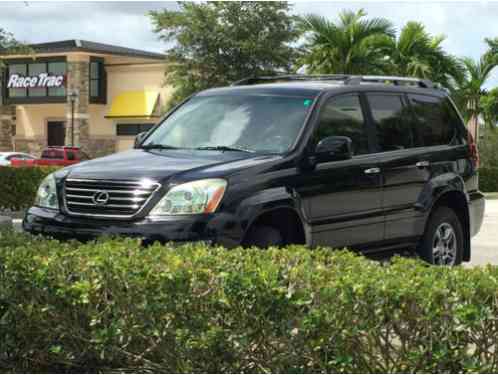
(42, 80)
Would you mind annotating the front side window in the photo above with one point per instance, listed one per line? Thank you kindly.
(392, 122)
(258, 123)
(343, 116)
(436, 120)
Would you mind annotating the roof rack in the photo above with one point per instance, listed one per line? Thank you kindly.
(344, 78)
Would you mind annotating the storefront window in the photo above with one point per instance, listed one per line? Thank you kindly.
(35, 70)
(57, 68)
(34, 82)
(97, 81)
(20, 69)
(132, 129)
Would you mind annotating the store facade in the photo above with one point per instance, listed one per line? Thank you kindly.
(92, 95)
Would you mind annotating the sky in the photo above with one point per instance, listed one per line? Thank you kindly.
(465, 24)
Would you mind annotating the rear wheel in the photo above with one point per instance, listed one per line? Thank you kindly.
(442, 243)
(263, 236)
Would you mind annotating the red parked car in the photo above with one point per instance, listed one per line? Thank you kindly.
(54, 156)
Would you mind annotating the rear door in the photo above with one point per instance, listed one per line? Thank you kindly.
(413, 139)
(343, 198)
(403, 164)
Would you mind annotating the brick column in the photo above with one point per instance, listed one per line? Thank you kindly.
(7, 121)
(78, 80)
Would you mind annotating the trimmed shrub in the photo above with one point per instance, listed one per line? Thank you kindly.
(488, 180)
(115, 306)
(18, 186)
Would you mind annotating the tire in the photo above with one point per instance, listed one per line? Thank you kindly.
(443, 240)
(263, 236)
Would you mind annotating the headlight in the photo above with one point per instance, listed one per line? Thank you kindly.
(46, 195)
(197, 197)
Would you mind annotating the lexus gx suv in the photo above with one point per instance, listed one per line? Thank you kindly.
(375, 164)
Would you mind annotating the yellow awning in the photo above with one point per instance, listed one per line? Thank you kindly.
(133, 104)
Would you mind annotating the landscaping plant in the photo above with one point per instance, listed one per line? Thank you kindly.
(113, 305)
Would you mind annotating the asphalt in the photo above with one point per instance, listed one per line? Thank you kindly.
(484, 245)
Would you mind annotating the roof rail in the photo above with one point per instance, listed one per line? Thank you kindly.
(292, 77)
(345, 78)
(397, 81)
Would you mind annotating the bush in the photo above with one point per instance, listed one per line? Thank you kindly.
(115, 306)
(488, 180)
(18, 186)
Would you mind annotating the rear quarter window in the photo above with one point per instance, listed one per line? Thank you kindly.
(436, 121)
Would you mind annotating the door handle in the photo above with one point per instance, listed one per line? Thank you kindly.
(423, 164)
(372, 171)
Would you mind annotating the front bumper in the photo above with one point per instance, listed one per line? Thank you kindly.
(215, 228)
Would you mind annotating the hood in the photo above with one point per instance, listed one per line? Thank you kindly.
(158, 164)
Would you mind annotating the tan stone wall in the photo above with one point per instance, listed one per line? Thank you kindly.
(33, 146)
(7, 116)
(77, 80)
(98, 147)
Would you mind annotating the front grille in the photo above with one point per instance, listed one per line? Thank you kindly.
(107, 198)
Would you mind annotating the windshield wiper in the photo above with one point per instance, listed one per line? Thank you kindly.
(225, 148)
(155, 146)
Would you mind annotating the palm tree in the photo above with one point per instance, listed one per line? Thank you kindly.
(471, 87)
(353, 45)
(415, 53)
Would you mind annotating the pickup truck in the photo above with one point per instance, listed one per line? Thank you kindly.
(54, 156)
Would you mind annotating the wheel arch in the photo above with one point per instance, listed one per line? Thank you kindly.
(457, 201)
(284, 217)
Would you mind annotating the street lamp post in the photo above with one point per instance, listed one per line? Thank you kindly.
(72, 97)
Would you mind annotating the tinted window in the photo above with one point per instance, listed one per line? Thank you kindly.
(436, 121)
(132, 129)
(342, 116)
(392, 123)
(52, 154)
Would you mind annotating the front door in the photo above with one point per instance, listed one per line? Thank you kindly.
(344, 198)
(56, 133)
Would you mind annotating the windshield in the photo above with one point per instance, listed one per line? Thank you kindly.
(247, 123)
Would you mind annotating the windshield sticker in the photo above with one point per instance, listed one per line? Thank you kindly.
(307, 102)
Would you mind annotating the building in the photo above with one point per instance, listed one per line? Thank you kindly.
(93, 95)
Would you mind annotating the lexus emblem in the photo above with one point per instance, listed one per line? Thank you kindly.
(100, 198)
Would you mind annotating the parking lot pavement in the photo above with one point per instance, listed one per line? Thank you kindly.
(485, 244)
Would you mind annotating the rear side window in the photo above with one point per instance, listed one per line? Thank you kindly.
(436, 121)
(343, 116)
(52, 154)
(392, 123)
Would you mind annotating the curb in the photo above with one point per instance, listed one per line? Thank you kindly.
(5, 222)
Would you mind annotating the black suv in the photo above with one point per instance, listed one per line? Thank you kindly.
(372, 163)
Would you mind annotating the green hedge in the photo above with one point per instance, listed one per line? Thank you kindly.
(18, 186)
(488, 180)
(115, 306)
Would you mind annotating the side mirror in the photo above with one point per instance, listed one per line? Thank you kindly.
(138, 139)
(334, 148)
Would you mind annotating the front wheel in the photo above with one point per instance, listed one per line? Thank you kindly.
(442, 243)
(263, 236)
